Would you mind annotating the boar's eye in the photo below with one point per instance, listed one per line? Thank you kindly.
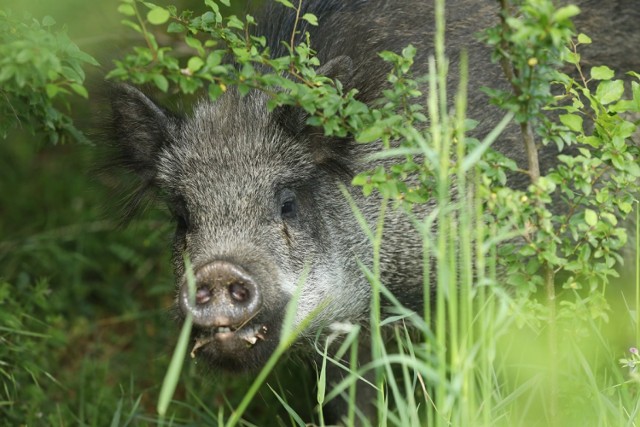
(288, 208)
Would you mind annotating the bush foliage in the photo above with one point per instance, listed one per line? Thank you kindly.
(39, 69)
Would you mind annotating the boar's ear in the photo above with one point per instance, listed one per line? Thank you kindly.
(339, 68)
(293, 119)
(138, 129)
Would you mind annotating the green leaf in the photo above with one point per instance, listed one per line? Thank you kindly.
(225, 2)
(361, 179)
(566, 12)
(602, 73)
(215, 58)
(611, 218)
(212, 5)
(633, 168)
(590, 217)
(415, 197)
(161, 82)
(310, 18)
(609, 91)
(584, 39)
(234, 22)
(195, 43)
(370, 134)
(195, 63)
(51, 90)
(572, 121)
(158, 15)
(215, 90)
(286, 3)
(85, 57)
(6, 72)
(80, 90)
(72, 75)
(175, 27)
(48, 21)
(572, 57)
(24, 56)
(131, 25)
(126, 9)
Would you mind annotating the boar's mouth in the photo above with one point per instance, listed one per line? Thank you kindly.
(226, 335)
(237, 348)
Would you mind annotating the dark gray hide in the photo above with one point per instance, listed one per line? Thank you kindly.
(255, 194)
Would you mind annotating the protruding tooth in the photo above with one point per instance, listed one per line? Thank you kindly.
(251, 340)
(260, 336)
(200, 342)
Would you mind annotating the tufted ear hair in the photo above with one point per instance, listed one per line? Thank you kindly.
(137, 129)
(328, 152)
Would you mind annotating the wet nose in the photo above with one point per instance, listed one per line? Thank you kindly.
(225, 296)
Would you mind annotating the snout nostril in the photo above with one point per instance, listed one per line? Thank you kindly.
(225, 296)
(203, 295)
(239, 292)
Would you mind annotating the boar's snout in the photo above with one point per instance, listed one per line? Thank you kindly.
(226, 296)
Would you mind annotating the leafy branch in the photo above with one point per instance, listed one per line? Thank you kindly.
(40, 70)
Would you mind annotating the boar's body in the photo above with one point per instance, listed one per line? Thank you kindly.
(256, 193)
